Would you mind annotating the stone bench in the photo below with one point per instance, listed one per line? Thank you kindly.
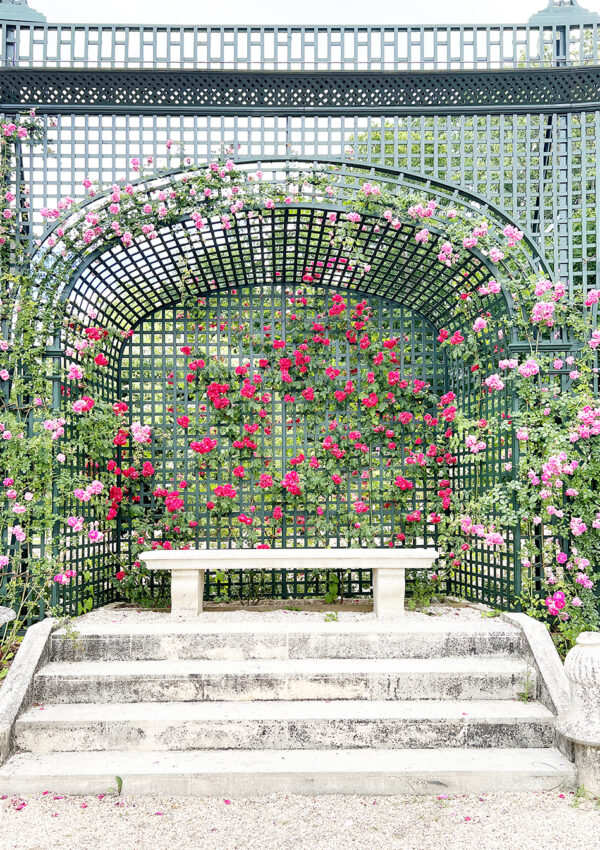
(188, 566)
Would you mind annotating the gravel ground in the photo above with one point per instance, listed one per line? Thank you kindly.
(280, 822)
(275, 612)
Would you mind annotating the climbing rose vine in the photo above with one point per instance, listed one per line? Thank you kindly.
(389, 458)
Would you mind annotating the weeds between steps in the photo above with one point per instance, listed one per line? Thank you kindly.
(526, 694)
(116, 791)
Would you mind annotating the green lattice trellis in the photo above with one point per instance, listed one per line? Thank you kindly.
(534, 162)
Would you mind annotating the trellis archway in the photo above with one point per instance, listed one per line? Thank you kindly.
(344, 177)
(148, 285)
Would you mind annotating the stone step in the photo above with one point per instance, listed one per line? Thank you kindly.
(348, 724)
(248, 773)
(315, 679)
(233, 641)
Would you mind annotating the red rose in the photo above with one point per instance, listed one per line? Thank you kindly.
(120, 439)
(120, 576)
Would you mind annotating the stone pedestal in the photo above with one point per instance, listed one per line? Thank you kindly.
(581, 722)
(388, 593)
(187, 591)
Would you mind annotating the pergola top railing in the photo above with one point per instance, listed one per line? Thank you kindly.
(565, 39)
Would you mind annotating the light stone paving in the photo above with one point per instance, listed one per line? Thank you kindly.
(532, 821)
(437, 616)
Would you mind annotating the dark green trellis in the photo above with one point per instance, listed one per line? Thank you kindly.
(152, 375)
(510, 128)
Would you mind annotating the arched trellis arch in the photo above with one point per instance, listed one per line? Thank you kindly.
(274, 248)
(125, 282)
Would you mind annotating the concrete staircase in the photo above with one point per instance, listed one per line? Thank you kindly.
(223, 708)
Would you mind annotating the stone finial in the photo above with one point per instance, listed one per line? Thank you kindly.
(19, 11)
(563, 12)
(581, 722)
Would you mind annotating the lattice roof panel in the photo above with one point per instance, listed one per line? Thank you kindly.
(126, 284)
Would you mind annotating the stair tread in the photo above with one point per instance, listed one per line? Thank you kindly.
(465, 710)
(539, 761)
(304, 667)
(225, 626)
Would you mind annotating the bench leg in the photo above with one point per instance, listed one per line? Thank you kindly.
(388, 594)
(187, 591)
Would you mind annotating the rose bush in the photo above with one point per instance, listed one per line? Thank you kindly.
(522, 388)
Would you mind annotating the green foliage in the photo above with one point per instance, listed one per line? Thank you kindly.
(424, 589)
(498, 518)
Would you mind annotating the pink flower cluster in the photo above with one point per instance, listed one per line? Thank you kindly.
(529, 368)
(490, 537)
(494, 382)
(447, 255)
(141, 433)
(56, 426)
(83, 405)
(578, 526)
(513, 234)
(558, 289)
(370, 189)
(93, 489)
(589, 424)
(65, 578)
(422, 211)
(543, 313)
(474, 445)
(492, 287)
(584, 581)
(555, 603)
(594, 342)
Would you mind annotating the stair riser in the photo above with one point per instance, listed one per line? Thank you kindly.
(254, 784)
(244, 646)
(434, 685)
(279, 735)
